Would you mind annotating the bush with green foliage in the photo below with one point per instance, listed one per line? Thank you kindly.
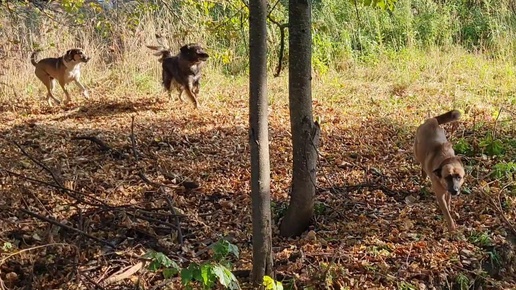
(342, 30)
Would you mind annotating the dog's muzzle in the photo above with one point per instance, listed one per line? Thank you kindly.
(454, 191)
(203, 56)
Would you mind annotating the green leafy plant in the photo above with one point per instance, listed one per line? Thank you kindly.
(462, 146)
(221, 251)
(160, 260)
(406, 286)
(6, 247)
(278, 210)
(505, 170)
(205, 275)
(463, 281)
(492, 146)
(320, 208)
(494, 257)
(270, 284)
(480, 239)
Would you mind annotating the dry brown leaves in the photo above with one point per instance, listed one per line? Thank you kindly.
(373, 228)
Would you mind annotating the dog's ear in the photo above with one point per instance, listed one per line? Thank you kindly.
(437, 172)
(185, 48)
(69, 55)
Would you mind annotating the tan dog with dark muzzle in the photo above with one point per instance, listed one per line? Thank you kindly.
(438, 160)
(64, 69)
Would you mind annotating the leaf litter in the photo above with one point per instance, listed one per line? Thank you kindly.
(95, 190)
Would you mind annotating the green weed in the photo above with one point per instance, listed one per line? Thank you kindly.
(462, 146)
(463, 281)
(505, 170)
(492, 146)
(480, 239)
(205, 275)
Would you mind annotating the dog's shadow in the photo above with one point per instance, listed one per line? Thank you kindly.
(110, 108)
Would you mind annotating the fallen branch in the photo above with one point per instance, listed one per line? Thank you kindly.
(88, 279)
(2, 261)
(66, 190)
(176, 217)
(54, 222)
(55, 175)
(496, 207)
(102, 145)
(149, 219)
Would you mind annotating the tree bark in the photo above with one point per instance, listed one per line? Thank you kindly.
(259, 142)
(305, 133)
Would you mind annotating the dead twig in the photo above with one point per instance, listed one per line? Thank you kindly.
(88, 279)
(496, 207)
(176, 217)
(56, 176)
(54, 222)
(133, 140)
(2, 261)
(102, 145)
(149, 219)
(66, 190)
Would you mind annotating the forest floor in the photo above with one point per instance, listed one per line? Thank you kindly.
(88, 189)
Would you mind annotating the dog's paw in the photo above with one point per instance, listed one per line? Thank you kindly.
(86, 94)
(52, 102)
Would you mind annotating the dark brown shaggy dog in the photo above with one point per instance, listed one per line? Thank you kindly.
(438, 161)
(183, 71)
(64, 69)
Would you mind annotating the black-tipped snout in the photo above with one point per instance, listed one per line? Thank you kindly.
(454, 190)
(203, 56)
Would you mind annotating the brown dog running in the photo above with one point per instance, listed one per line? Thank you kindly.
(438, 161)
(183, 71)
(64, 69)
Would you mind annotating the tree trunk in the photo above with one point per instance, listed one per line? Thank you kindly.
(259, 142)
(305, 133)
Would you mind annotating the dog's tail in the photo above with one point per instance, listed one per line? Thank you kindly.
(448, 117)
(33, 57)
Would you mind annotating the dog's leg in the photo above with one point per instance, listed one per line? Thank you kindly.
(49, 84)
(443, 204)
(67, 94)
(50, 89)
(189, 92)
(83, 89)
(448, 201)
(196, 87)
(180, 96)
(192, 97)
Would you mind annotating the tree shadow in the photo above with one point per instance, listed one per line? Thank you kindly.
(127, 192)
